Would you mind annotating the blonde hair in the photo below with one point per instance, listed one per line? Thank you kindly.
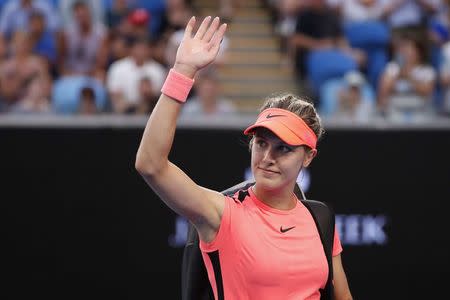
(299, 105)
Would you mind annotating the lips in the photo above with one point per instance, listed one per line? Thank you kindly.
(268, 171)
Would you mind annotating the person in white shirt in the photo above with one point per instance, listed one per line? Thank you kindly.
(207, 101)
(124, 75)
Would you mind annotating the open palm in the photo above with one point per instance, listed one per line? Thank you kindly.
(198, 50)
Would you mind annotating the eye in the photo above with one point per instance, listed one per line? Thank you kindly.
(284, 148)
(260, 143)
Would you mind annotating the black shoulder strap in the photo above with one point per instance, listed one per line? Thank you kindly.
(324, 218)
(194, 278)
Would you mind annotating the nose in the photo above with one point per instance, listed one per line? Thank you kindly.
(268, 155)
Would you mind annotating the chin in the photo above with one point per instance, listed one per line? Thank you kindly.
(269, 184)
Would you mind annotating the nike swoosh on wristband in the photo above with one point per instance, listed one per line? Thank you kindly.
(283, 230)
(273, 116)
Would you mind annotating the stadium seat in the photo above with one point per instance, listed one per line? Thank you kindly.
(66, 93)
(323, 65)
(373, 37)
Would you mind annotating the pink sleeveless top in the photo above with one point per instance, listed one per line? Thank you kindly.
(264, 253)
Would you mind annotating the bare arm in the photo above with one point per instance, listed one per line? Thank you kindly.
(423, 88)
(201, 206)
(341, 289)
(385, 88)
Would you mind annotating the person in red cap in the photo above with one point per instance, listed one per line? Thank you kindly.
(266, 246)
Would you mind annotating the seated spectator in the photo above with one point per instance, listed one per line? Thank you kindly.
(353, 91)
(10, 89)
(410, 16)
(119, 47)
(67, 92)
(87, 102)
(439, 32)
(285, 15)
(26, 64)
(177, 13)
(43, 42)
(124, 76)
(365, 29)
(319, 28)
(83, 45)
(444, 74)
(147, 97)
(207, 101)
(15, 16)
(353, 103)
(96, 8)
(118, 11)
(36, 99)
(407, 84)
(134, 26)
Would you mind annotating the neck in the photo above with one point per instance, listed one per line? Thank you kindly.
(282, 199)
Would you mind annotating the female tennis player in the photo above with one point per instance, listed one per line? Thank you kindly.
(267, 246)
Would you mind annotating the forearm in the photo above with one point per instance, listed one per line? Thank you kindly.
(424, 89)
(306, 42)
(159, 132)
(158, 136)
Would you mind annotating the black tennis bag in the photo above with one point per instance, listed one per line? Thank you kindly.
(194, 278)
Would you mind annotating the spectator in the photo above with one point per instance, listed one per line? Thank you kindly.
(407, 84)
(82, 48)
(319, 28)
(119, 10)
(138, 20)
(410, 16)
(95, 7)
(124, 75)
(444, 74)
(23, 62)
(285, 15)
(208, 101)
(36, 98)
(10, 88)
(119, 48)
(147, 97)
(176, 15)
(87, 102)
(43, 41)
(15, 16)
(353, 103)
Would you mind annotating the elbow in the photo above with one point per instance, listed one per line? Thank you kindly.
(148, 167)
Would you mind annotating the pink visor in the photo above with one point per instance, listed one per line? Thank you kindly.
(286, 125)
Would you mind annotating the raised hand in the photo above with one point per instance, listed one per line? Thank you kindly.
(198, 50)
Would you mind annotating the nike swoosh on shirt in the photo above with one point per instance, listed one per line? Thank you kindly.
(283, 230)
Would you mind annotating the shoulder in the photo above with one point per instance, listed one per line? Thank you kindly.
(121, 63)
(154, 66)
(424, 72)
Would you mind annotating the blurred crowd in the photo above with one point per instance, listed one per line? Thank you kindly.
(369, 58)
(93, 56)
(357, 58)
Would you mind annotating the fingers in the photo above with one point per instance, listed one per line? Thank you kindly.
(203, 27)
(189, 28)
(212, 28)
(214, 44)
